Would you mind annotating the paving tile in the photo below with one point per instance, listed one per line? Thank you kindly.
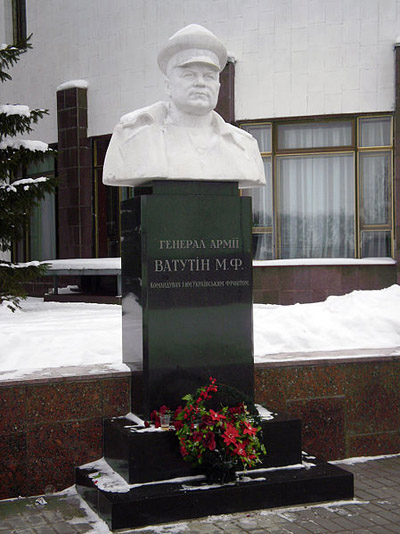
(382, 530)
(64, 528)
(345, 522)
(374, 519)
(45, 529)
(329, 525)
(298, 529)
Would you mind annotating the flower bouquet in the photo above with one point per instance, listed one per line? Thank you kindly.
(220, 442)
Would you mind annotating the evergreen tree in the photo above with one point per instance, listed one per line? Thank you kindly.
(18, 196)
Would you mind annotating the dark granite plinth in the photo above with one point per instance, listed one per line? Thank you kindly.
(156, 503)
(187, 288)
(147, 456)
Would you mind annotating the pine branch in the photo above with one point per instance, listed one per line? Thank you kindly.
(12, 278)
(12, 159)
(10, 55)
(17, 201)
(14, 124)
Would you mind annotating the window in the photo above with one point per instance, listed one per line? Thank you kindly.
(375, 178)
(19, 21)
(40, 242)
(107, 205)
(262, 197)
(329, 189)
(42, 234)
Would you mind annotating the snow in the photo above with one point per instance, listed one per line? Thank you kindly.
(21, 265)
(85, 263)
(79, 84)
(17, 109)
(30, 181)
(264, 413)
(17, 144)
(358, 320)
(298, 262)
(59, 335)
(51, 334)
(363, 459)
(107, 479)
(26, 182)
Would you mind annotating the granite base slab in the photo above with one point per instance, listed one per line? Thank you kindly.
(191, 497)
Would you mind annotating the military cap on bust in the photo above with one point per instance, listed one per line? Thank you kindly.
(192, 44)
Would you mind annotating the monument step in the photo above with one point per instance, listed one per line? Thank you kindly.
(142, 455)
(122, 505)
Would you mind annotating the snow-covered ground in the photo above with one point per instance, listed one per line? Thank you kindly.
(47, 334)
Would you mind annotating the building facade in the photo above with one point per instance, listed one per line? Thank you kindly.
(317, 82)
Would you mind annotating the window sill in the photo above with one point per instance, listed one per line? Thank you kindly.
(323, 261)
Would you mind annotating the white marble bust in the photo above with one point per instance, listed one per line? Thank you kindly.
(184, 138)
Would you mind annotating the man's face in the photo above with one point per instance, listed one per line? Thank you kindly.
(193, 88)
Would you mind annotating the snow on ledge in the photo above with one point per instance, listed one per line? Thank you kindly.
(323, 261)
(78, 84)
(363, 459)
(79, 263)
(84, 263)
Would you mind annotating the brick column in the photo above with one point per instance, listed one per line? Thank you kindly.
(226, 100)
(75, 221)
(396, 170)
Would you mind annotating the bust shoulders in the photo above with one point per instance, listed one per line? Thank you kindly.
(155, 113)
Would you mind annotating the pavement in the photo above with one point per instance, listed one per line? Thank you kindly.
(375, 509)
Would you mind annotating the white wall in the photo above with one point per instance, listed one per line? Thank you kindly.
(294, 57)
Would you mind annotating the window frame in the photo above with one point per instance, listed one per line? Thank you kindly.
(304, 154)
(100, 218)
(356, 121)
(389, 227)
(21, 250)
(266, 230)
(19, 24)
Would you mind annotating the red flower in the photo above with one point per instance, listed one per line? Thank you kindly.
(163, 409)
(215, 416)
(250, 430)
(154, 415)
(177, 411)
(183, 450)
(240, 450)
(230, 435)
(236, 409)
(197, 436)
(177, 424)
(209, 441)
(206, 420)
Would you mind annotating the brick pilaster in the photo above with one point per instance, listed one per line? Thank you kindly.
(74, 170)
(226, 100)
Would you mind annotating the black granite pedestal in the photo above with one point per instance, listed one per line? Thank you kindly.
(187, 315)
(187, 289)
(164, 488)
